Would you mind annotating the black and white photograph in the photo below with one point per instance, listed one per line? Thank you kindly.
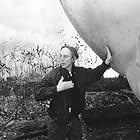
(69, 70)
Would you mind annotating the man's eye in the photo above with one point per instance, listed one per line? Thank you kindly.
(66, 56)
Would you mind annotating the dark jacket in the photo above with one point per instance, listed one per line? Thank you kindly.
(75, 97)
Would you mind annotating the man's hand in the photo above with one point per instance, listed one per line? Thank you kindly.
(63, 85)
(109, 56)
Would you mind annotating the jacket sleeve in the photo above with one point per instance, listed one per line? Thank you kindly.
(46, 89)
(94, 75)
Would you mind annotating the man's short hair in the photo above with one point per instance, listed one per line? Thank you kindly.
(72, 49)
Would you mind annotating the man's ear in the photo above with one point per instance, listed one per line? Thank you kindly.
(74, 58)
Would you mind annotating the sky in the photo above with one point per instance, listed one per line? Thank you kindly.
(35, 20)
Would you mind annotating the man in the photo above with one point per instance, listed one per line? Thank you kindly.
(65, 86)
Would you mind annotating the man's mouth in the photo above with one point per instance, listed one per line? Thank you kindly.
(62, 64)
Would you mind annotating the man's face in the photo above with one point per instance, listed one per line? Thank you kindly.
(66, 58)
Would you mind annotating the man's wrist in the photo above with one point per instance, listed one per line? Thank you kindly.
(57, 89)
(107, 65)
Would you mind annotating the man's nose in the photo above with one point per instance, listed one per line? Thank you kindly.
(62, 59)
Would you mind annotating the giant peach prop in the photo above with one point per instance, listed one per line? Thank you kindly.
(113, 23)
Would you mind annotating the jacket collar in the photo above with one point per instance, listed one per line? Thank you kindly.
(72, 71)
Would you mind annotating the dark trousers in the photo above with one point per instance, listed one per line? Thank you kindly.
(71, 131)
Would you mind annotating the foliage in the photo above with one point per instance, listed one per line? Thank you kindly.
(27, 62)
(18, 105)
(20, 70)
(110, 84)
